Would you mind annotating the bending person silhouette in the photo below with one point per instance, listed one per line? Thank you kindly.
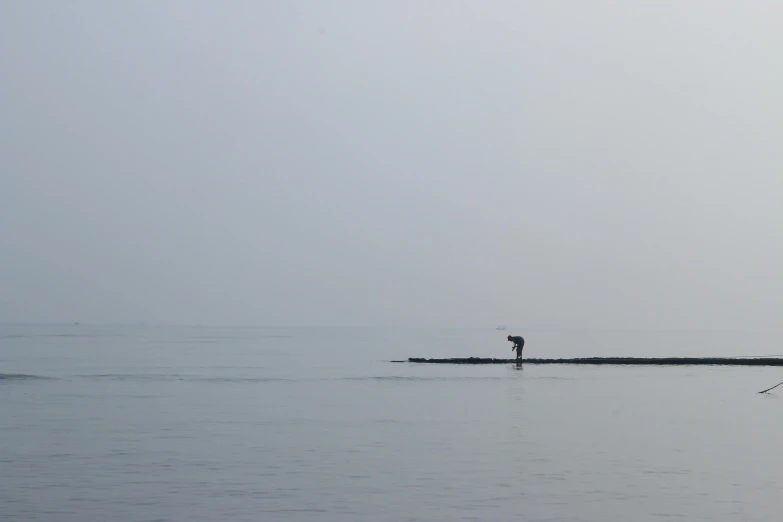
(519, 343)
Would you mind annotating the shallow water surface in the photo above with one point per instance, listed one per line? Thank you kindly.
(176, 424)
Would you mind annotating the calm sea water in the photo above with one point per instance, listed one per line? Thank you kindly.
(243, 424)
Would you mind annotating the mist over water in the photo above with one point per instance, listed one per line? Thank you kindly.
(199, 423)
(556, 165)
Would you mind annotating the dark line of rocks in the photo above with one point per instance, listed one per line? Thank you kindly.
(668, 361)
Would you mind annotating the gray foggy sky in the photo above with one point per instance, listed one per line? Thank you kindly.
(543, 164)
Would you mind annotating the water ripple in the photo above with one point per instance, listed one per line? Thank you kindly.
(175, 377)
(22, 377)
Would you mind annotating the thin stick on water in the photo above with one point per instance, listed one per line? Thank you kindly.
(765, 391)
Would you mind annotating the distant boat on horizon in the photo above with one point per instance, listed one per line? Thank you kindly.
(501, 327)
